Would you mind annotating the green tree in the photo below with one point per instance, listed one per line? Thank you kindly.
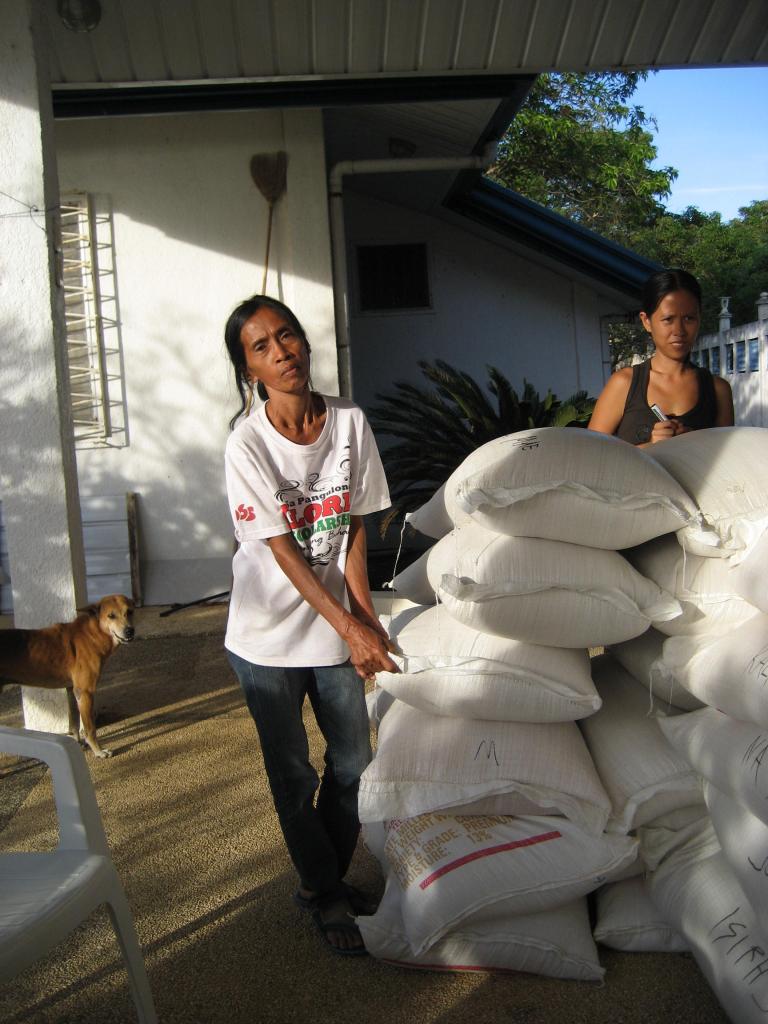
(579, 147)
(728, 257)
(436, 428)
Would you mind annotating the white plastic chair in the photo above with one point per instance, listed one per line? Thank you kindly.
(44, 896)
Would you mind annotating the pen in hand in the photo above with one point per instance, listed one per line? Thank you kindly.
(658, 413)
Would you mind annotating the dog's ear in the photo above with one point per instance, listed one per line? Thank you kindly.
(89, 609)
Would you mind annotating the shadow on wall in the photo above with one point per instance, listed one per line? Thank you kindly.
(174, 463)
(186, 177)
(190, 223)
(25, 473)
(747, 399)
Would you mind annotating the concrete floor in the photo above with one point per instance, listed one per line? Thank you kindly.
(195, 841)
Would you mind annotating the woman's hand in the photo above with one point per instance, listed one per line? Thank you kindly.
(371, 620)
(664, 429)
(368, 648)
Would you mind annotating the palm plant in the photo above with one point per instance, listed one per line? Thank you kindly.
(437, 428)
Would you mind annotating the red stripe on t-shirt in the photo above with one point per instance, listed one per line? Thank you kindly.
(488, 852)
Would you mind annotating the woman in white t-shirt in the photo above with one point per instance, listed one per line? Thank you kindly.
(302, 469)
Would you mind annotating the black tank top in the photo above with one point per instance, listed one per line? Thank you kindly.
(638, 420)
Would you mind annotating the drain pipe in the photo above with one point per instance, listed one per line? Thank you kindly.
(338, 239)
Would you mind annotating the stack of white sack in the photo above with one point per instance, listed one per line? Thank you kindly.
(704, 879)
(707, 880)
(714, 652)
(730, 755)
(482, 797)
(483, 804)
(649, 784)
(530, 529)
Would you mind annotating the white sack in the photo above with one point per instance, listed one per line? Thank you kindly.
(728, 753)
(728, 672)
(749, 578)
(570, 485)
(447, 668)
(744, 840)
(642, 773)
(430, 762)
(703, 586)
(543, 591)
(449, 867)
(687, 826)
(643, 658)
(377, 702)
(682, 817)
(412, 582)
(432, 518)
(628, 920)
(725, 471)
(554, 943)
(703, 901)
(688, 838)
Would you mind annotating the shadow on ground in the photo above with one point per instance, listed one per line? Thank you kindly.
(194, 838)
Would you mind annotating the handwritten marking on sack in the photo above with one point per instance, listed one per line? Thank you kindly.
(490, 751)
(731, 927)
(525, 444)
(754, 754)
(758, 667)
(759, 867)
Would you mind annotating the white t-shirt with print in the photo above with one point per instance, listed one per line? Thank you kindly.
(275, 486)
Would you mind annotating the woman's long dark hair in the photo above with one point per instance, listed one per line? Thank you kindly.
(237, 319)
(666, 281)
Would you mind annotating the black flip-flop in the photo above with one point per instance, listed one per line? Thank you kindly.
(325, 927)
(362, 905)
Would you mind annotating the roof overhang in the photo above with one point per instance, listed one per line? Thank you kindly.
(550, 235)
(149, 42)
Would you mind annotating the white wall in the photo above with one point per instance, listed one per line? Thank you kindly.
(189, 234)
(489, 306)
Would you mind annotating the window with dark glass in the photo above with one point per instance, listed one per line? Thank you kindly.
(715, 364)
(754, 355)
(393, 277)
(741, 356)
(704, 358)
(729, 358)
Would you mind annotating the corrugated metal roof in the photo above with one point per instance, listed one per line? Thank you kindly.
(179, 41)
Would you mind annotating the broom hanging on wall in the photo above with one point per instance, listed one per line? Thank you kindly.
(268, 173)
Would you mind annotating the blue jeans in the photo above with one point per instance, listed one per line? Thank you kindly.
(321, 837)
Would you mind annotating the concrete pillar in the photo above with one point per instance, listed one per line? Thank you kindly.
(725, 313)
(38, 475)
(762, 306)
(306, 237)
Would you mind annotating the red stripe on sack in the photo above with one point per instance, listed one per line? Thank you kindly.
(488, 852)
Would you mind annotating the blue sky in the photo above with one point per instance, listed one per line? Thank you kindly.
(713, 127)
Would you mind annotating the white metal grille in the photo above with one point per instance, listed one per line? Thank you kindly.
(90, 303)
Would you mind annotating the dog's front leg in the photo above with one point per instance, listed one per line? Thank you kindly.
(85, 706)
(73, 716)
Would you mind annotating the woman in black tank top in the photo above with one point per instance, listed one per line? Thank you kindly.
(689, 397)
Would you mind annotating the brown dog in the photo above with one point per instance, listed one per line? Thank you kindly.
(70, 654)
